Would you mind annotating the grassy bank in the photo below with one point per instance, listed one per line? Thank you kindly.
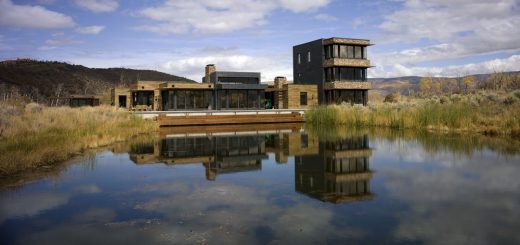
(487, 113)
(33, 136)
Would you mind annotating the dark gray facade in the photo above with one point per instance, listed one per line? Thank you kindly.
(235, 77)
(312, 72)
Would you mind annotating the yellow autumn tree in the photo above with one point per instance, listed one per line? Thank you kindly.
(425, 85)
(469, 83)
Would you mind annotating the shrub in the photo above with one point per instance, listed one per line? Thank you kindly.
(392, 98)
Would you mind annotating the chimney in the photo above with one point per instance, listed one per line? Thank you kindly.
(279, 82)
(209, 69)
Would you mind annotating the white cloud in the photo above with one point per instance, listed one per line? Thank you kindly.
(193, 67)
(453, 29)
(497, 65)
(57, 40)
(206, 16)
(94, 30)
(32, 16)
(98, 5)
(303, 6)
(325, 17)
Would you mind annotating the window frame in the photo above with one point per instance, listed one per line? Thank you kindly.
(303, 99)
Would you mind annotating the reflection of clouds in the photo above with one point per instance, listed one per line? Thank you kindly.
(95, 215)
(475, 202)
(29, 204)
(91, 189)
(215, 212)
(224, 213)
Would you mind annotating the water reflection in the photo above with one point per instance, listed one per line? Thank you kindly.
(339, 173)
(268, 184)
(333, 171)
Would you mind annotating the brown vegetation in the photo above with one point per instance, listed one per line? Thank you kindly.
(32, 135)
(40, 80)
(486, 112)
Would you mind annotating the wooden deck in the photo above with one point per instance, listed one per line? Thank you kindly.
(194, 118)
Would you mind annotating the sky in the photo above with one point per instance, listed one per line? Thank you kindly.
(411, 37)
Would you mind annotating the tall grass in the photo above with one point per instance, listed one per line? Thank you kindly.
(35, 136)
(459, 114)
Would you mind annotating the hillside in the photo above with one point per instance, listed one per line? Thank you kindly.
(409, 84)
(43, 79)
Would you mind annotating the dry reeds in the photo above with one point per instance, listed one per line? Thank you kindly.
(485, 113)
(36, 135)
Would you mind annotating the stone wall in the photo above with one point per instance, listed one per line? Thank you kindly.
(292, 96)
(347, 85)
(346, 62)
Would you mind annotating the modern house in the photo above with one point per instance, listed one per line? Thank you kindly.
(236, 90)
(326, 71)
(219, 90)
(338, 66)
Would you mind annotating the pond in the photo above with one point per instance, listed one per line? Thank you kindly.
(274, 185)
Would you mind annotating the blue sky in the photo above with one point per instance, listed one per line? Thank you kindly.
(431, 37)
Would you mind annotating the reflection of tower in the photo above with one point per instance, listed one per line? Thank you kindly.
(340, 173)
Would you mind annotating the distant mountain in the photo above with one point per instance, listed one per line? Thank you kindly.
(40, 79)
(406, 84)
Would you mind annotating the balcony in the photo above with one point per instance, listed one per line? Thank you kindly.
(346, 62)
(337, 40)
(347, 85)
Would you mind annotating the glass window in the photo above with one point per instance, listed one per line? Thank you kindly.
(242, 99)
(198, 97)
(364, 52)
(181, 99)
(350, 52)
(223, 99)
(303, 98)
(357, 52)
(233, 98)
(252, 99)
(308, 56)
(299, 58)
(343, 51)
(190, 100)
(335, 51)
(327, 52)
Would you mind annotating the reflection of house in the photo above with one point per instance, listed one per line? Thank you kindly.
(293, 143)
(219, 154)
(339, 173)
